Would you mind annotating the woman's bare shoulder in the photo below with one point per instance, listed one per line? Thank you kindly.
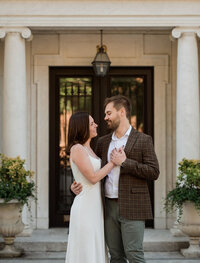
(77, 149)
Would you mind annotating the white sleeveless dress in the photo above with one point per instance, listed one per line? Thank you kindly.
(86, 243)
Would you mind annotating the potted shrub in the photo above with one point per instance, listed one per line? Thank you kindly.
(185, 199)
(16, 187)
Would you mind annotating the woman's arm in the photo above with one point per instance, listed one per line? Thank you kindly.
(81, 159)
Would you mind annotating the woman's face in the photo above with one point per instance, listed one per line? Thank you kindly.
(92, 127)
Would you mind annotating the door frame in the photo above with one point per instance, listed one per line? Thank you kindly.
(99, 94)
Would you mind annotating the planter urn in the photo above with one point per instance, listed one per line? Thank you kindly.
(10, 225)
(190, 225)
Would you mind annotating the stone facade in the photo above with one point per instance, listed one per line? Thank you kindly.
(65, 33)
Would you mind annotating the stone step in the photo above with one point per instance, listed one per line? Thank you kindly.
(55, 240)
(59, 257)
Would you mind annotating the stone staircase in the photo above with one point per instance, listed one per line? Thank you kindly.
(55, 240)
(50, 246)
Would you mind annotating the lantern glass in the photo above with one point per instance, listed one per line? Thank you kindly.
(101, 62)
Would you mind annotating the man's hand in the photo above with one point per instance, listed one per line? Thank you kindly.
(76, 187)
(118, 156)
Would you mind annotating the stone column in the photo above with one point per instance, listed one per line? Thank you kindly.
(15, 94)
(187, 108)
(187, 97)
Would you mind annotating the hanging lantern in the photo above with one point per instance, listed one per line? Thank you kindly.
(101, 62)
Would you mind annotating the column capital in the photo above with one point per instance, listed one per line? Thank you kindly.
(177, 32)
(25, 32)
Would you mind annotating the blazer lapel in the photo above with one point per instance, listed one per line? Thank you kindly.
(106, 144)
(131, 140)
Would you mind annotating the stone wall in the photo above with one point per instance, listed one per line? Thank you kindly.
(125, 48)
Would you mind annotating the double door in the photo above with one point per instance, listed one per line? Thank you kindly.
(74, 89)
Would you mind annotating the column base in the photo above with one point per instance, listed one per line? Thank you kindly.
(10, 251)
(194, 250)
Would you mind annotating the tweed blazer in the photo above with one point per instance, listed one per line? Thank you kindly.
(141, 165)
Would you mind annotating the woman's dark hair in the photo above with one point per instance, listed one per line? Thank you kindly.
(78, 131)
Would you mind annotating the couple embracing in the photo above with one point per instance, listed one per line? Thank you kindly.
(112, 199)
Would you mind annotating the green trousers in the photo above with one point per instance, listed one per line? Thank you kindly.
(124, 238)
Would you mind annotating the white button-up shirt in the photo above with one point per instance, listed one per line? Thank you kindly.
(112, 180)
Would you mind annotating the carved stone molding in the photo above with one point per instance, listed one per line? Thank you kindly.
(25, 32)
(177, 32)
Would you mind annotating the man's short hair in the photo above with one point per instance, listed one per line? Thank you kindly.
(119, 101)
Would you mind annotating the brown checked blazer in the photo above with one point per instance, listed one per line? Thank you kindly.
(141, 165)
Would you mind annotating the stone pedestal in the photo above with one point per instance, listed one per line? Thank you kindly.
(190, 225)
(10, 225)
(194, 250)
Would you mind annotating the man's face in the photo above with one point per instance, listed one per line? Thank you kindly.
(112, 116)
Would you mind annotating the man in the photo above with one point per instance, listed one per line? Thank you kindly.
(125, 189)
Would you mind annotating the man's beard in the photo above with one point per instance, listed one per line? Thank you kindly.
(113, 125)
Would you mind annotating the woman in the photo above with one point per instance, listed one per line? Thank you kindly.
(86, 231)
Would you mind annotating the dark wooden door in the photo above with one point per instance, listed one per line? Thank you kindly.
(77, 88)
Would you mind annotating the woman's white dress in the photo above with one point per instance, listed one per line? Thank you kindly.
(86, 243)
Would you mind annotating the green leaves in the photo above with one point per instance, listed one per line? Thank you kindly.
(187, 187)
(189, 173)
(15, 181)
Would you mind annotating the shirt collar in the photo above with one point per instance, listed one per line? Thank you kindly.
(127, 133)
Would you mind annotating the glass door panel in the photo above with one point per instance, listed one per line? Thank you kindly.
(75, 94)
